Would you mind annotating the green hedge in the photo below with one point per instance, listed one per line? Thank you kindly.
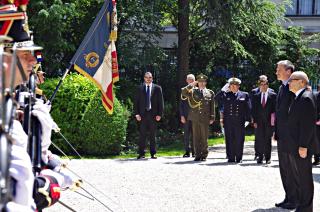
(78, 111)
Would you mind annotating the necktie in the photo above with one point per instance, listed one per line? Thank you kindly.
(148, 105)
(263, 100)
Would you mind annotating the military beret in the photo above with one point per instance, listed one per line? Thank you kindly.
(234, 80)
(202, 77)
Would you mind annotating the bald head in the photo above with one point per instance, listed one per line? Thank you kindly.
(298, 80)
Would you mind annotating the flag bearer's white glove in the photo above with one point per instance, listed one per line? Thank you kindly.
(42, 112)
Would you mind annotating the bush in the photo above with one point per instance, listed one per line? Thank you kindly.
(72, 107)
(101, 133)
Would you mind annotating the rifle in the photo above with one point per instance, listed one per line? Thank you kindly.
(32, 126)
(7, 107)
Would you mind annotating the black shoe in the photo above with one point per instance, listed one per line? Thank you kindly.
(281, 203)
(140, 157)
(316, 163)
(231, 161)
(268, 161)
(197, 159)
(259, 160)
(203, 159)
(186, 155)
(239, 161)
(289, 206)
(153, 157)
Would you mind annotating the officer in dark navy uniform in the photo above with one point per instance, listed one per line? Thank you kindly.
(236, 111)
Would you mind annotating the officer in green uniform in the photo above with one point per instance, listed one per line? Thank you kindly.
(201, 113)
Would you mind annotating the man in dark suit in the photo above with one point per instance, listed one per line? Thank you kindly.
(251, 94)
(263, 113)
(301, 121)
(236, 111)
(317, 154)
(286, 160)
(184, 108)
(148, 108)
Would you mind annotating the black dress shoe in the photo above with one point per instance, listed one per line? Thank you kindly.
(197, 159)
(289, 206)
(268, 161)
(281, 203)
(186, 155)
(153, 157)
(231, 161)
(239, 161)
(316, 163)
(259, 161)
(140, 157)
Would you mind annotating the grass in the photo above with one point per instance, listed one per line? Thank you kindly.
(175, 149)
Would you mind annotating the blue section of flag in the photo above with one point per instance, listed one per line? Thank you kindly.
(92, 50)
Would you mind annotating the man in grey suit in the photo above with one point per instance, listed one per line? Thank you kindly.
(184, 108)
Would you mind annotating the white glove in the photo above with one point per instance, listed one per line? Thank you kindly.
(246, 123)
(20, 138)
(225, 88)
(41, 111)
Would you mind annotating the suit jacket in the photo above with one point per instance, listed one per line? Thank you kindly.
(301, 120)
(284, 99)
(318, 105)
(203, 109)
(156, 100)
(263, 114)
(235, 105)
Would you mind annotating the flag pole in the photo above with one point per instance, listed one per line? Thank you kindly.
(60, 83)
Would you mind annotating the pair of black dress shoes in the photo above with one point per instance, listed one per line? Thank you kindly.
(142, 157)
(233, 161)
(187, 155)
(200, 159)
(286, 205)
(259, 161)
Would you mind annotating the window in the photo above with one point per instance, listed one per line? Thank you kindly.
(304, 7)
(317, 7)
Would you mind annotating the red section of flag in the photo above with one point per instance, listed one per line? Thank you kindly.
(4, 29)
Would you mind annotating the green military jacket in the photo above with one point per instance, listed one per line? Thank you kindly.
(202, 105)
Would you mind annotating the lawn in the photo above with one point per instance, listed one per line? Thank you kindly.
(176, 148)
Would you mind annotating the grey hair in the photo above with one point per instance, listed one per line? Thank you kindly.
(287, 64)
(191, 76)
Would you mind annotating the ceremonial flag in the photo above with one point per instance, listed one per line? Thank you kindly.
(96, 58)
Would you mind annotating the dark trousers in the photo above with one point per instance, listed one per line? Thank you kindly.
(148, 126)
(234, 135)
(263, 134)
(317, 155)
(200, 132)
(289, 175)
(187, 137)
(305, 184)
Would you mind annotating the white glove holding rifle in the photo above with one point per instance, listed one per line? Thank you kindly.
(42, 112)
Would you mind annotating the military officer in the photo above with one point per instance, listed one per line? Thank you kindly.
(236, 111)
(201, 113)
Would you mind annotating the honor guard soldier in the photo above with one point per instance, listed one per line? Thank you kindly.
(201, 113)
(236, 111)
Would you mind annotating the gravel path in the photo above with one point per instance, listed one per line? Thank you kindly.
(180, 184)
